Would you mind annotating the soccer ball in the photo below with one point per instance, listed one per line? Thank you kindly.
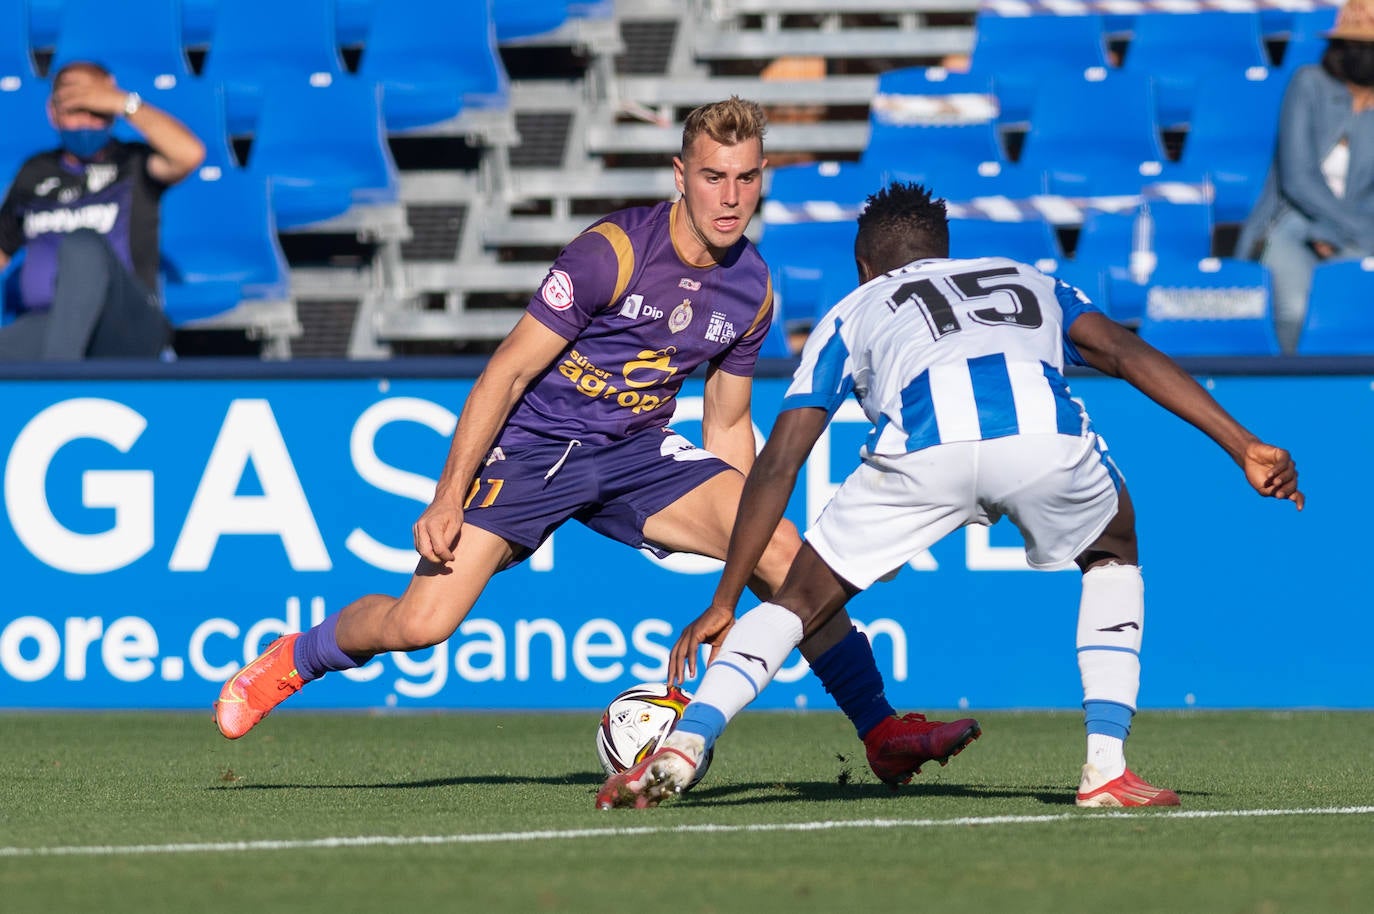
(635, 723)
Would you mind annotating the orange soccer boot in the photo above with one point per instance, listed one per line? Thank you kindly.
(252, 692)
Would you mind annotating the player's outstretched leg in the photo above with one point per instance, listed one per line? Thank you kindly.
(259, 687)
(899, 746)
(1095, 790)
(661, 776)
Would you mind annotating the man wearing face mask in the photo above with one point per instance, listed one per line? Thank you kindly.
(86, 214)
(1318, 200)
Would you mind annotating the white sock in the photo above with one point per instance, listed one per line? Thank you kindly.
(748, 660)
(1111, 616)
(1107, 754)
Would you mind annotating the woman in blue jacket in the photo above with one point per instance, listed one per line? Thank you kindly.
(1318, 199)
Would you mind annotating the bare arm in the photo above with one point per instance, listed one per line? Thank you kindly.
(727, 425)
(519, 359)
(1114, 350)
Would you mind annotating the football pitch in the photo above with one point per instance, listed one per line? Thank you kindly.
(404, 813)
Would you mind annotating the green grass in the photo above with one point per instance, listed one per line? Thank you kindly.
(119, 780)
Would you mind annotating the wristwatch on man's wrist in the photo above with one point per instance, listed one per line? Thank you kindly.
(132, 102)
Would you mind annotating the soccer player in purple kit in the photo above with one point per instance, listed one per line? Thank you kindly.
(569, 420)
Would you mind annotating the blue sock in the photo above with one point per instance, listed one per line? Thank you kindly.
(850, 674)
(703, 720)
(317, 651)
(1107, 718)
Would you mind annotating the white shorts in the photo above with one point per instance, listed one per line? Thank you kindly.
(1059, 490)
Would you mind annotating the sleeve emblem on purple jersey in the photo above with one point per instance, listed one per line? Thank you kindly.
(681, 316)
(557, 291)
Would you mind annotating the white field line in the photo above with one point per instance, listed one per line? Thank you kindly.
(230, 847)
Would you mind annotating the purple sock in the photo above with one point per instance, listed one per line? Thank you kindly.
(317, 651)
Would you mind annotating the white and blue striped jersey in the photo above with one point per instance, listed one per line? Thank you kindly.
(948, 350)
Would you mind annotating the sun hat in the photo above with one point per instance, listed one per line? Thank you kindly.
(1355, 22)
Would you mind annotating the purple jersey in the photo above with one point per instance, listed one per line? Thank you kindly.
(639, 319)
(50, 198)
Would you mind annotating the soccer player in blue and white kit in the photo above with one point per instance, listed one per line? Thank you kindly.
(958, 365)
(569, 420)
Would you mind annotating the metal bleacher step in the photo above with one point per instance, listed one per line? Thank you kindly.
(833, 90)
(818, 138)
(923, 43)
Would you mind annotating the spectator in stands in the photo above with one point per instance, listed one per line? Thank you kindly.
(1318, 200)
(87, 215)
(569, 419)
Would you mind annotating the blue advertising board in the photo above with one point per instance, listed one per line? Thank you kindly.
(159, 532)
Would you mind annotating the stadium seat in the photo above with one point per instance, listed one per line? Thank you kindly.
(808, 235)
(324, 150)
(1029, 241)
(931, 121)
(219, 246)
(1215, 307)
(1019, 52)
(528, 18)
(137, 40)
(16, 63)
(248, 57)
(197, 104)
(352, 18)
(198, 22)
(1181, 50)
(1300, 53)
(45, 18)
(23, 111)
(1340, 310)
(433, 58)
(1304, 25)
(1127, 247)
(1230, 143)
(1094, 135)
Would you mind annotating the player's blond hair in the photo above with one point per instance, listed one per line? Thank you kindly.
(728, 122)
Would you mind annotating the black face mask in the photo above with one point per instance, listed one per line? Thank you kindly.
(1357, 62)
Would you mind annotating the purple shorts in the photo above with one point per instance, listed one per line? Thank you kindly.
(524, 493)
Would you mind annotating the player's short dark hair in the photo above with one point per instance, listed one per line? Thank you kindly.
(899, 224)
(729, 122)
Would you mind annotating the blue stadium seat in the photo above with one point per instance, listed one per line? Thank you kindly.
(219, 246)
(1304, 25)
(352, 19)
(248, 57)
(137, 40)
(1127, 250)
(1018, 52)
(196, 103)
(1231, 140)
(198, 22)
(324, 150)
(45, 18)
(1217, 307)
(1181, 50)
(528, 18)
(808, 236)
(1300, 53)
(1030, 241)
(24, 112)
(16, 63)
(1340, 310)
(931, 121)
(1094, 136)
(433, 59)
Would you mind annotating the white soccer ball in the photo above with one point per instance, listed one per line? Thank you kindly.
(635, 723)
